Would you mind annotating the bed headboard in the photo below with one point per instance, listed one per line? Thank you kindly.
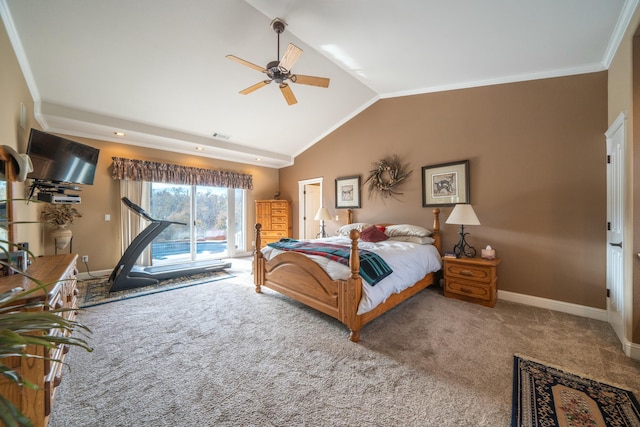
(435, 228)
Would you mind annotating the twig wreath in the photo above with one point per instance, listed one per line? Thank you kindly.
(386, 175)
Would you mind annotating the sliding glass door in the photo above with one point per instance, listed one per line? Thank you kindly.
(213, 219)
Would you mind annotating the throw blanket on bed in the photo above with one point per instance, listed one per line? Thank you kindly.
(372, 268)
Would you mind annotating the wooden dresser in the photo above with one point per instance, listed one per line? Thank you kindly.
(471, 279)
(275, 218)
(60, 271)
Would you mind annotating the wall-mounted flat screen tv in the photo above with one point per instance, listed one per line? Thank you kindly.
(61, 160)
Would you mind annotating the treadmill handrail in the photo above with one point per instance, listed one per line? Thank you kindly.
(144, 214)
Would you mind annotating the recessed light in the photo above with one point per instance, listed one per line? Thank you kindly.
(119, 133)
(200, 148)
(258, 159)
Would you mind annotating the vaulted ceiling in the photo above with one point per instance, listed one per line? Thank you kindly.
(156, 69)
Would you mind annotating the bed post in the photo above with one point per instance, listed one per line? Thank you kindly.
(353, 290)
(258, 261)
(436, 230)
(349, 216)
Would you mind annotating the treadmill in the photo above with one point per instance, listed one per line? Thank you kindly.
(127, 275)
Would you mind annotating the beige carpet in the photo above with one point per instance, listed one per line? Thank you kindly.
(224, 355)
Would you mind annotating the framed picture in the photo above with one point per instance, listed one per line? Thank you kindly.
(348, 192)
(446, 184)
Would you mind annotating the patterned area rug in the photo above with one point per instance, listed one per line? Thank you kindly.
(96, 292)
(546, 396)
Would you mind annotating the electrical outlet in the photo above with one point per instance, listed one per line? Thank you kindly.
(85, 258)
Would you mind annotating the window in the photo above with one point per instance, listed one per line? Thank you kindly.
(211, 222)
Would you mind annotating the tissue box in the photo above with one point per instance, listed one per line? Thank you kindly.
(488, 253)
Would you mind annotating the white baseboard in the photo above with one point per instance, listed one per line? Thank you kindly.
(630, 349)
(564, 307)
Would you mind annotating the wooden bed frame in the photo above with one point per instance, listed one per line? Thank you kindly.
(302, 279)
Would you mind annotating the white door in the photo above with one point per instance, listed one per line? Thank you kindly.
(312, 204)
(616, 294)
(310, 197)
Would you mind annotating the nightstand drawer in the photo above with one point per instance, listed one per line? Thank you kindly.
(474, 290)
(472, 272)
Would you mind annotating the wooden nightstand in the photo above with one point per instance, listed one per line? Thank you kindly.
(471, 279)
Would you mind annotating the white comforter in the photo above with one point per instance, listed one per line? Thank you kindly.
(410, 262)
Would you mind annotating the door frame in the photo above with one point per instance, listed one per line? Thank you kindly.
(301, 200)
(620, 125)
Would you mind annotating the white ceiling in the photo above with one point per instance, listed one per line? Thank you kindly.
(156, 69)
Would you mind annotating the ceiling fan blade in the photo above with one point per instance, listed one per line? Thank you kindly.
(256, 86)
(310, 80)
(289, 58)
(288, 94)
(246, 63)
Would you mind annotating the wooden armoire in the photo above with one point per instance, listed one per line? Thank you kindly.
(275, 218)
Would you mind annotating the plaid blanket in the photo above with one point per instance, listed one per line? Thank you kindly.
(372, 267)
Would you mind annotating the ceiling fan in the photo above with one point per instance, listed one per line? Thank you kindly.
(280, 71)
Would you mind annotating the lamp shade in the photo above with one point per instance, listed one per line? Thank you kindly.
(463, 215)
(322, 215)
(22, 160)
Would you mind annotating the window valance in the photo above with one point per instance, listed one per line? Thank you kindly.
(143, 170)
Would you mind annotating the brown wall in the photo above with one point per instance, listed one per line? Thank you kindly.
(537, 172)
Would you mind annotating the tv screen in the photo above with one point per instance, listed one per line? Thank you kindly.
(61, 160)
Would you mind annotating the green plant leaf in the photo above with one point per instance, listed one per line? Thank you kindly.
(11, 416)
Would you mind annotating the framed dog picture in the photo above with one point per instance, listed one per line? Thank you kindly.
(348, 192)
(446, 184)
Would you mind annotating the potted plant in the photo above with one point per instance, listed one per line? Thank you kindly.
(60, 216)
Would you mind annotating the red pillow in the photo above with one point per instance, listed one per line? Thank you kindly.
(381, 227)
(372, 234)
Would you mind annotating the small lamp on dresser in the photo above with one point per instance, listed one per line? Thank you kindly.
(322, 215)
(463, 214)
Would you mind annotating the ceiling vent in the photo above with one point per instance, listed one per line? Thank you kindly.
(221, 136)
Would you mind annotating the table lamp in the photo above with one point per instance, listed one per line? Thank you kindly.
(463, 214)
(322, 215)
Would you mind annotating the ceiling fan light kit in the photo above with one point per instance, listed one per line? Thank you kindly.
(279, 71)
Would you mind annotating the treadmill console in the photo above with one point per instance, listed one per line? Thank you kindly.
(137, 209)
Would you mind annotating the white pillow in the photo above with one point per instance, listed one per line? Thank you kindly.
(407, 230)
(346, 229)
(414, 239)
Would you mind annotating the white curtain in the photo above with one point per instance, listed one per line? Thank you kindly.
(139, 192)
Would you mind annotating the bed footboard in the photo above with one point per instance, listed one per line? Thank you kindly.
(302, 279)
